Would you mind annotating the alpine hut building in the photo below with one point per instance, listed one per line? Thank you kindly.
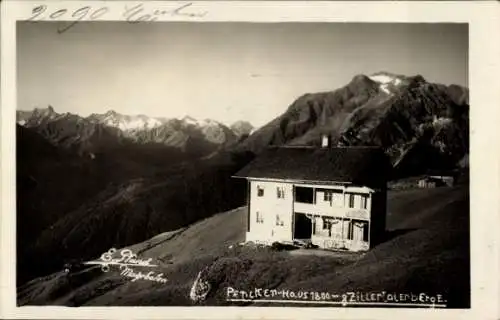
(332, 197)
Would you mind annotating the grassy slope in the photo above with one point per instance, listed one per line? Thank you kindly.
(53, 183)
(126, 213)
(427, 250)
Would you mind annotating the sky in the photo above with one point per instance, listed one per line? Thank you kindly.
(225, 71)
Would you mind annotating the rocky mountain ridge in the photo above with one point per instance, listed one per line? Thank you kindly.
(112, 128)
(419, 124)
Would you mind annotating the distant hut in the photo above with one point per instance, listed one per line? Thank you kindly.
(436, 181)
(445, 180)
(426, 183)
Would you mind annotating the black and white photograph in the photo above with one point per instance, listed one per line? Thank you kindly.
(179, 158)
(237, 164)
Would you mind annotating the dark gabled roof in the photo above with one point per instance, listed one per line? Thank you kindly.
(331, 164)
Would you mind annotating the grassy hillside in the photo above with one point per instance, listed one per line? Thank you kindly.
(137, 209)
(71, 206)
(426, 250)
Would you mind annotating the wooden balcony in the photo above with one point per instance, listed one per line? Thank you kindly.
(331, 211)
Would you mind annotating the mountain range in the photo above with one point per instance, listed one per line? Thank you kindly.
(111, 180)
(420, 125)
(101, 131)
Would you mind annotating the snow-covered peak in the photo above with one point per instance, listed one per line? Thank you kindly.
(387, 81)
(200, 123)
(190, 121)
(136, 122)
(209, 122)
(126, 122)
(386, 78)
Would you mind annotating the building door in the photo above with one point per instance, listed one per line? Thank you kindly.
(360, 230)
(302, 226)
(336, 228)
(359, 235)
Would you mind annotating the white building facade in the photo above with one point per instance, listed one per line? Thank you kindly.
(331, 214)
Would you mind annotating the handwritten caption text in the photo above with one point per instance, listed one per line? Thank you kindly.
(126, 262)
(130, 13)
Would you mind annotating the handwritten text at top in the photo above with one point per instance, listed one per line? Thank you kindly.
(131, 13)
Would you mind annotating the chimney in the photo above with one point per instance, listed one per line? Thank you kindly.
(325, 141)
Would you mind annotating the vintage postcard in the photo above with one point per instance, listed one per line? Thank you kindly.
(249, 159)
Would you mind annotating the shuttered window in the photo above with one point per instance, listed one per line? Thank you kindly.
(260, 191)
(364, 200)
(279, 221)
(351, 201)
(259, 217)
(350, 231)
(280, 191)
(327, 196)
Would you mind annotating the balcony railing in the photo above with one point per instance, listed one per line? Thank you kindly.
(332, 211)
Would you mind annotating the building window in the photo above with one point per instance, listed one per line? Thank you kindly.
(260, 191)
(350, 231)
(259, 217)
(279, 221)
(280, 192)
(327, 224)
(351, 201)
(334, 197)
(304, 195)
(327, 196)
(364, 200)
(365, 233)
